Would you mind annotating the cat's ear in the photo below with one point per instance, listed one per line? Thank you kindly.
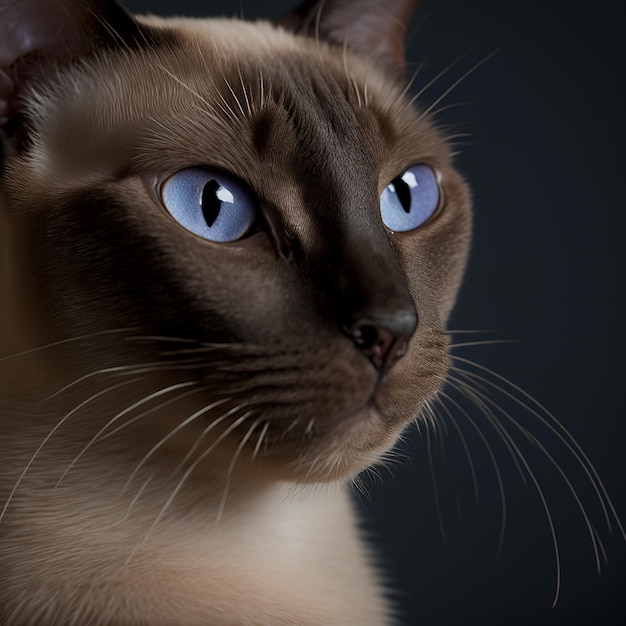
(38, 35)
(373, 28)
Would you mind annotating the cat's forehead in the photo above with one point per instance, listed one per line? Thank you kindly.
(225, 93)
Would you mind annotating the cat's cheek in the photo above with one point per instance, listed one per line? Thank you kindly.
(434, 271)
(414, 381)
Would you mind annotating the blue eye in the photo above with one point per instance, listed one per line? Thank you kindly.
(409, 200)
(210, 204)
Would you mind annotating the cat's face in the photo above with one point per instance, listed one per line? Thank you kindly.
(298, 323)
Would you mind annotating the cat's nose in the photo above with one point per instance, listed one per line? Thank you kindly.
(384, 338)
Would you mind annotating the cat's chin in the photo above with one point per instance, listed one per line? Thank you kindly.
(350, 441)
(341, 448)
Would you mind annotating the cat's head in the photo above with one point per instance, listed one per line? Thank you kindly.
(258, 208)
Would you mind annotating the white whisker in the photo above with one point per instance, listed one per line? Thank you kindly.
(408, 85)
(137, 496)
(465, 449)
(209, 107)
(231, 469)
(261, 90)
(127, 370)
(49, 436)
(171, 434)
(151, 410)
(186, 475)
(487, 342)
(257, 447)
(456, 83)
(441, 74)
(119, 416)
(309, 427)
(245, 93)
(55, 344)
(559, 431)
(541, 495)
(571, 489)
(429, 434)
(206, 431)
(232, 92)
(471, 392)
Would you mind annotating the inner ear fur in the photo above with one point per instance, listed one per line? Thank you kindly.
(375, 29)
(38, 35)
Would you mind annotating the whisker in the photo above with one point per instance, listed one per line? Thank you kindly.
(115, 35)
(466, 450)
(245, 93)
(291, 426)
(318, 19)
(604, 556)
(189, 471)
(49, 436)
(309, 427)
(546, 509)
(206, 431)
(470, 392)
(172, 433)
(408, 85)
(231, 469)
(209, 107)
(453, 331)
(199, 346)
(359, 484)
(441, 74)
(429, 434)
(223, 104)
(119, 416)
(55, 344)
(235, 97)
(138, 496)
(492, 457)
(141, 368)
(356, 91)
(571, 489)
(261, 90)
(159, 407)
(560, 432)
(486, 342)
(158, 338)
(595, 540)
(456, 83)
(365, 94)
(257, 447)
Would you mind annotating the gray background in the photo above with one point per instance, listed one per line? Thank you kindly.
(545, 160)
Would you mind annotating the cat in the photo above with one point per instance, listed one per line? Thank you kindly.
(229, 251)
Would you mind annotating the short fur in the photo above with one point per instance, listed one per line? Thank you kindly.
(117, 325)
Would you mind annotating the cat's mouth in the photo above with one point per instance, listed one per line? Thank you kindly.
(346, 444)
(365, 423)
(368, 412)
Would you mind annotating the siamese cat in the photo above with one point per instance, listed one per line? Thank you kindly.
(228, 251)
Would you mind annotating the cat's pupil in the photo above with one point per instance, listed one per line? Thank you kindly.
(404, 194)
(210, 202)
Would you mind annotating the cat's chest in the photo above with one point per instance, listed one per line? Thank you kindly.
(268, 566)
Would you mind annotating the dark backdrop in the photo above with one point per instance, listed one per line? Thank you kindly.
(545, 158)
